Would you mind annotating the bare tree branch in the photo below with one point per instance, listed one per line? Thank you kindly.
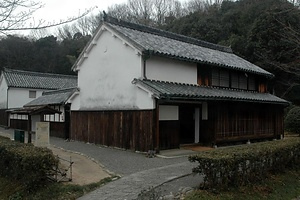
(15, 13)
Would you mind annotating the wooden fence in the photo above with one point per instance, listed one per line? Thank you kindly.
(3, 117)
(133, 130)
(19, 124)
(58, 129)
(242, 121)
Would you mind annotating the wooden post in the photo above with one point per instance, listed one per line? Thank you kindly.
(157, 126)
(29, 128)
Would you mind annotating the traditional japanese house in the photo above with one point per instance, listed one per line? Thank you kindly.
(143, 88)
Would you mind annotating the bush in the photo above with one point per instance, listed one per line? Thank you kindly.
(241, 165)
(292, 120)
(25, 163)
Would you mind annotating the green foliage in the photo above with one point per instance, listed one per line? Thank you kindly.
(14, 190)
(43, 55)
(25, 163)
(277, 187)
(292, 120)
(264, 32)
(242, 165)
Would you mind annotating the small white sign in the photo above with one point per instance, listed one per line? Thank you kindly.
(42, 134)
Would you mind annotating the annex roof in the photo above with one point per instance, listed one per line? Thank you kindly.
(180, 91)
(57, 97)
(152, 41)
(38, 80)
(34, 110)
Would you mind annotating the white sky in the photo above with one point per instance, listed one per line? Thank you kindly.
(62, 9)
(55, 11)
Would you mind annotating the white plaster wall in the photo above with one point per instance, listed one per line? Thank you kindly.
(34, 120)
(3, 93)
(158, 68)
(105, 77)
(17, 97)
(75, 103)
(145, 100)
(167, 112)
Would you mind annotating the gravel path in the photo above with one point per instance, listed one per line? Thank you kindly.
(138, 173)
(118, 161)
(130, 186)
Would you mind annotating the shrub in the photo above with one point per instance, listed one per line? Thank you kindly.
(26, 163)
(241, 165)
(292, 120)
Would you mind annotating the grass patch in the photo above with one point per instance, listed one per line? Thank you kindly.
(280, 186)
(13, 190)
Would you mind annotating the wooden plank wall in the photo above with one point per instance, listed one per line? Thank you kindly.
(133, 130)
(3, 117)
(18, 124)
(242, 121)
(57, 129)
(169, 132)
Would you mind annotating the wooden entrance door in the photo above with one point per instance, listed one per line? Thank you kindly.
(187, 124)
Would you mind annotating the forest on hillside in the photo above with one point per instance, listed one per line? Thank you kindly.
(266, 33)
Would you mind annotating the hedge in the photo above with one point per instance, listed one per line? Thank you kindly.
(246, 164)
(292, 120)
(25, 163)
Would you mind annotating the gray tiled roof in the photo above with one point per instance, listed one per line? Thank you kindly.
(179, 91)
(37, 80)
(56, 97)
(181, 47)
(34, 110)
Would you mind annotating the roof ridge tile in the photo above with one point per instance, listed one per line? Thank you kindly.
(167, 34)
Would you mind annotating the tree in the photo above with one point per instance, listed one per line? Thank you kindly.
(267, 33)
(149, 12)
(14, 14)
(86, 26)
(275, 38)
(16, 52)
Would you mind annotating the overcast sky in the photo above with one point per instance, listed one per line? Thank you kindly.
(61, 9)
(55, 11)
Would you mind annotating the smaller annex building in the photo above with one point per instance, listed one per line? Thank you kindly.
(19, 87)
(143, 88)
(60, 101)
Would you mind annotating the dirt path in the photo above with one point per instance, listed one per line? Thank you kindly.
(85, 171)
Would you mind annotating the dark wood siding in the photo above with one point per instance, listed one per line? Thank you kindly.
(241, 121)
(19, 124)
(3, 117)
(169, 134)
(57, 129)
(133, 130)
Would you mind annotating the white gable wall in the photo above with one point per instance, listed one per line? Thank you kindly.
(3, 93)
(75, 102)
(18, 97)
(158, 68)
(105, 76)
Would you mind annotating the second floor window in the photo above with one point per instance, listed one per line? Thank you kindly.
(239, 81)
(220, 78)
(32, 94)
(228, 79)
